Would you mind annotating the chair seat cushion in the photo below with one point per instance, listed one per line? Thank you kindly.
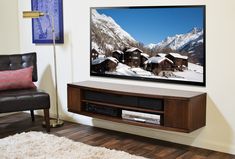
(21, 100)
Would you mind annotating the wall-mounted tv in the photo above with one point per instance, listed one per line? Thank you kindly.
(153, 43)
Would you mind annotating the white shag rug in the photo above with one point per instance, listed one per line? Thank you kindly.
(38, 145)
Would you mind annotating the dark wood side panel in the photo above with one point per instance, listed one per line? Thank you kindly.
(74, 99)
(176, 113)
(197, 112)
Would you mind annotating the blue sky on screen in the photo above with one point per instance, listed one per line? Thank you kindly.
(152, 25)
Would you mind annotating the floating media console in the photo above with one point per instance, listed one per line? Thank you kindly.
(175, 110)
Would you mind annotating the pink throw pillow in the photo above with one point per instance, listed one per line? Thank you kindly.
(16, 79)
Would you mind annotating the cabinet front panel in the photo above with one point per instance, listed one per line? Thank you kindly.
(176, 113)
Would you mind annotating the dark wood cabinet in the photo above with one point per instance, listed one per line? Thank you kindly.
(182, 111)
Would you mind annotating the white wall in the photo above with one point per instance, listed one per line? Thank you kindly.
(73, 66)
(9, 27)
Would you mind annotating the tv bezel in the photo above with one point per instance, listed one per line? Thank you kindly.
(171, 81)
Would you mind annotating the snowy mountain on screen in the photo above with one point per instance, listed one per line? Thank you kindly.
(189, 44)
(107, 35)
(179, 42)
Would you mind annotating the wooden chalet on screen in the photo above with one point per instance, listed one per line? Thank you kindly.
(132, 57)
(158, 64)
(100, 65)
(94, 54)
(143, 57)
(179, 61)
(119, 55)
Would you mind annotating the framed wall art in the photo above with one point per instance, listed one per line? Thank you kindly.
(42, 27)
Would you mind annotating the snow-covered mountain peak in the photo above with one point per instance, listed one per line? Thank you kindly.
(113, 36)
(178, 41)
(151, 45)
(195, 30)
(96, 17)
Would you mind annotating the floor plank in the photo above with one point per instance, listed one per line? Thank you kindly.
(133, 144)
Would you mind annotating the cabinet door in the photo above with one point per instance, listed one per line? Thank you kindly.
(176, 113)
(74, 99)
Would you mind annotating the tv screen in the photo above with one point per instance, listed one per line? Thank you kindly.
(157, 43)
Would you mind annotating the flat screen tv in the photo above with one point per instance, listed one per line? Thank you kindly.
(152, 43)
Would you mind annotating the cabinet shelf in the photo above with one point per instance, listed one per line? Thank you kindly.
(182, 111)
(120, 120)
(123, 107)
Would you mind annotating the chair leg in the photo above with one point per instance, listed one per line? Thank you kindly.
(47, 119)
(32, 115)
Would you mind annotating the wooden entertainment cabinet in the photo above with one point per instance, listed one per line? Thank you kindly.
(182, 111)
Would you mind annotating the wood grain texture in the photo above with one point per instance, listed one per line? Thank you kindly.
(182, 111)
(176, 113)
(147, 147)
(74, 99)
(132, 90)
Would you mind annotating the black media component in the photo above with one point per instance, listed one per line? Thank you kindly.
(110, 98)
(141, 102)
(150, 103)
(95, 108)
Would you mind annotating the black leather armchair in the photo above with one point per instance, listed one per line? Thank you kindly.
(23, 99)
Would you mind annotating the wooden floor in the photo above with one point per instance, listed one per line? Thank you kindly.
(132, 144)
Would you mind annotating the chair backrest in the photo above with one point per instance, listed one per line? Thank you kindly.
(19, 61)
